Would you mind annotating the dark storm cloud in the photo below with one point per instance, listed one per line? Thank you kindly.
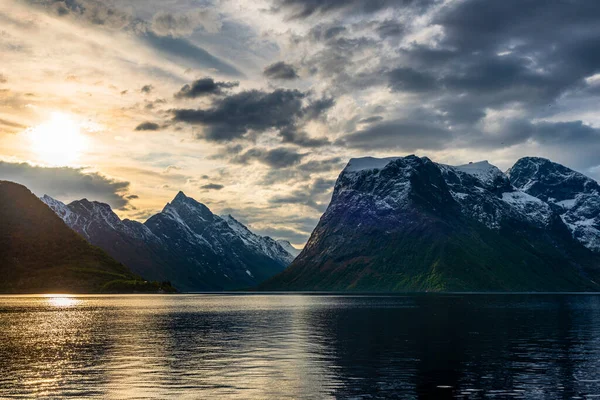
(212, 186)
(317, 107)
(489, 57)
(281, 70)
(279, 157)
(494, 54)
(410, 80)
(233, 116)
(147, 126)
(66, 183)
(407, 135)
(301, 138)
(559, 134)
(204, 87)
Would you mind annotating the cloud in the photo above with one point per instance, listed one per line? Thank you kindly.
(308, 8)
(281, 70)
(407, 135)
(408, 79)
(370, 120)
(11, 125)
(147, 89)
(93, 11)
(179, 25)
(302, 139)
(189, 54)
(313, 195)
(171, 168)
(326, 165)
(67, 184)
(212, 186)
(279, 157)
(3, 79)
(147, 126)
(204, 87)
(234, 116)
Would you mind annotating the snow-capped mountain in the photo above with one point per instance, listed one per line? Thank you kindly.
(185, 243)
(407, 223)
(289, 248)
(574, 196)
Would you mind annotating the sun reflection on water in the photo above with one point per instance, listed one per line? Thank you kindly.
(62, 301)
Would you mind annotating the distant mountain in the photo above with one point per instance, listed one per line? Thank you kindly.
(39, 253)
(409, 224)
(185, 244)
(287, 246)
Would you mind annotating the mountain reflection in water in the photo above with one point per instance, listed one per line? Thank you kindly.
(300, 346)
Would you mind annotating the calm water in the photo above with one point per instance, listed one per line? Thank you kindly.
(301, 346)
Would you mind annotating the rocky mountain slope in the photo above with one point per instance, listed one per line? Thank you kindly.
(185, 244)
(572, 195)
(40, 254)
(409, 224)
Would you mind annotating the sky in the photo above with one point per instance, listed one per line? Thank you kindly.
(253, 107)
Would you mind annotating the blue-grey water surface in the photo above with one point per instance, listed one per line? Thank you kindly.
(300, 346)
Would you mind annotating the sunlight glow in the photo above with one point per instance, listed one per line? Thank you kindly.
(58, 141)
(63, 301)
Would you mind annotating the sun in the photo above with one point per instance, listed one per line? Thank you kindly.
(58, 141)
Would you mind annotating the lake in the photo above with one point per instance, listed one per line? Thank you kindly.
(252, 346)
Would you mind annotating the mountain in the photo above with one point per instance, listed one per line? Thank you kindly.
(40, 253)
(409, 224)
(574, 196)
(185, 244)
(287, 246)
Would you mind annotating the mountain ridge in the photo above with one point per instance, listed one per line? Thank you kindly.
(407, 223)
(185, 243)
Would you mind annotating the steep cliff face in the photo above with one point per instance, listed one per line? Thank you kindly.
(185, 244)
(404, 224)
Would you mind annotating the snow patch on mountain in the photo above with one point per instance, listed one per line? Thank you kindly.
(264, 244)
(482, 170)
(574, 196)
(289, 248)
(531, 208)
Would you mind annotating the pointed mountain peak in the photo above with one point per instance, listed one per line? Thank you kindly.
(180, 197)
